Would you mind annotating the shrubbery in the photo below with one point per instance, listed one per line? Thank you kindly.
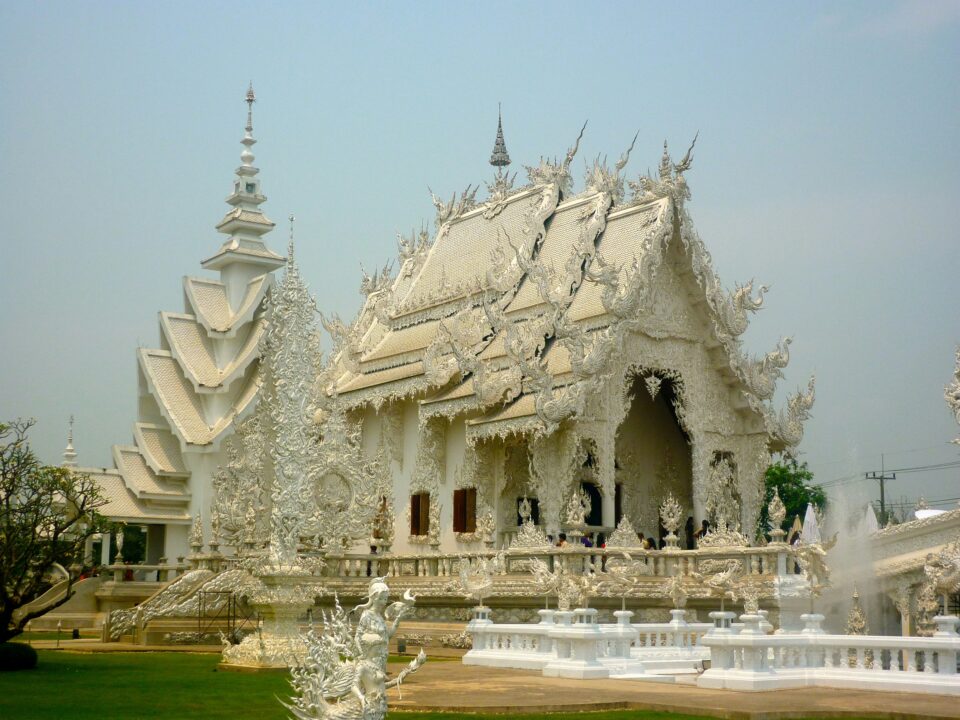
(17, 656)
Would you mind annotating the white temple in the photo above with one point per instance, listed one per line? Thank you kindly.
(200, 378)
(545, 342)
(575, 349)
(548, 363)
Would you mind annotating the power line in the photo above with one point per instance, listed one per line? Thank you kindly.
(918, 468)
(882, 479)
(928, 468)
(888, 452)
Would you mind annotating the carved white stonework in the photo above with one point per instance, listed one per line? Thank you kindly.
(624, 535)
(475, 580)
(343, 675)
(671, 514)
(677, 593)
(776, 513)
(578, 507)
(196, 533)
(571, 589)
(856, 618)
(942, 571)
(952, 393)
(722, 536)
(723, 497)
(529, 536)
(653, 383)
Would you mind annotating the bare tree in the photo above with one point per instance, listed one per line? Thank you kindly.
(46, 516)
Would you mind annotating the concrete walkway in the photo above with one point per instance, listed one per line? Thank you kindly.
(452, 687)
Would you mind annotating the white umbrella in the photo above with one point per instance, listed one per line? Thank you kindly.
(870, 523)
(811, 530)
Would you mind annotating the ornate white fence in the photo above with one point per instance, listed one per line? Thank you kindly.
(751, 660)
(573, 644)
(769, 560)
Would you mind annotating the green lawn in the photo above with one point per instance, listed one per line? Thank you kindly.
(180, 686)
(127, 686)
(33, 635)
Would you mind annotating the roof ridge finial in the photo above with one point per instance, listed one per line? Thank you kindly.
(499, 158)
(69, 454)
(246, 155)
(251, 99)
(291, 218)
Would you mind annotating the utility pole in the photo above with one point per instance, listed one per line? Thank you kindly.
(881, 478)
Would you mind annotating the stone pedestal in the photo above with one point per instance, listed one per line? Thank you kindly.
(752, 624)
(626, 634)
(792, 594)
(722, 622)
(765, 624)
(946, 625)
(678, 622)
(546, 617)
(576, 646)
(281, 599)
(481, 615)
(812, 624)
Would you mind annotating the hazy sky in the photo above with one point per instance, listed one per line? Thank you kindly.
(828, 167)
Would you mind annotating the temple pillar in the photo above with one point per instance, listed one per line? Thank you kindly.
(552, 475)
(105, 539)
(609, 509)
(700, 470)
(606, 471)
(88, 551)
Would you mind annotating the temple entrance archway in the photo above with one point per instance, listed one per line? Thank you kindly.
(653, 456)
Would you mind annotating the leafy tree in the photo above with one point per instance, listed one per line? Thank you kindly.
(793, 481)
(46, 515)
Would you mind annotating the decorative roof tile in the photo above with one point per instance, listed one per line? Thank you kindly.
(123, 505)
(160, 449)
(192, 347)
(457, 265)
(381, 377)
(181, 406)
(141, 480)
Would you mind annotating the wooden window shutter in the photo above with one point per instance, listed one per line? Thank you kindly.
(415, 514)
(424, 513)
(470, 510)
(460, 511)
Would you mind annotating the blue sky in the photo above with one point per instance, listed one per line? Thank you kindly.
(827, 167)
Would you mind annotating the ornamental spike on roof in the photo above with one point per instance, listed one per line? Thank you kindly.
(251, 99)
(69, 454)
(245, 223)
(499, 158)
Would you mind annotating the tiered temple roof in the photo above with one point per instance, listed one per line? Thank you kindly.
(205, 372)
(530, 292)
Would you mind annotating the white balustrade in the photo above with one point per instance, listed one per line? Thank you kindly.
(768, 560)
(573, 644)
(752, 660)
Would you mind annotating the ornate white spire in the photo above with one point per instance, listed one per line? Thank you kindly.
(69, 454)
(245, 223)
(246, 156)
(499, 158)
